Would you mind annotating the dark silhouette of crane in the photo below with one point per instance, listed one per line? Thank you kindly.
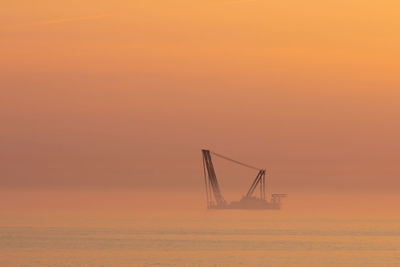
(215, 200)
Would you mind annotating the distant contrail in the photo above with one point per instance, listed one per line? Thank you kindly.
(55, 21)
(239, 1)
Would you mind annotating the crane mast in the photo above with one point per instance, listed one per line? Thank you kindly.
(212, 186)
(260, 180)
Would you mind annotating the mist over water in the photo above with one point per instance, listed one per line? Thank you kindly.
(127, 228)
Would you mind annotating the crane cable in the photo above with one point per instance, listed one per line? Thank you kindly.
(235, 161)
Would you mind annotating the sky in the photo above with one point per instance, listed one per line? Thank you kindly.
(125, 94)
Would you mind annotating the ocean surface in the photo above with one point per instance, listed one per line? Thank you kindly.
(232, 238)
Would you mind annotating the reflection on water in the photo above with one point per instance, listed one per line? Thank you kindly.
(206, 240)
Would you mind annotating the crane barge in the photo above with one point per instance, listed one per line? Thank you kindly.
(250, 200)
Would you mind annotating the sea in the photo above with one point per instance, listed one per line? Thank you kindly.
(198, 237)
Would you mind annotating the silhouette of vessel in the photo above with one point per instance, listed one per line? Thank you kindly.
(215, 200)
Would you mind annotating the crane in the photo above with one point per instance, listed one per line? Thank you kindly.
(215, 200)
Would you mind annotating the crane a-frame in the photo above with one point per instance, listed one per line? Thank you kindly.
(215, 200)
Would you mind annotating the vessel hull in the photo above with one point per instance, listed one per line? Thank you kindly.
(249, 204)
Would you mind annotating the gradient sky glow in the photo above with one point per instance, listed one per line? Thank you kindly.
(126, 93)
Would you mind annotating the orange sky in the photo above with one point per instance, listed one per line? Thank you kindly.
(126, 93)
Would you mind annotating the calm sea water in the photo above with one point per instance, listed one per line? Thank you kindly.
(242, 239)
